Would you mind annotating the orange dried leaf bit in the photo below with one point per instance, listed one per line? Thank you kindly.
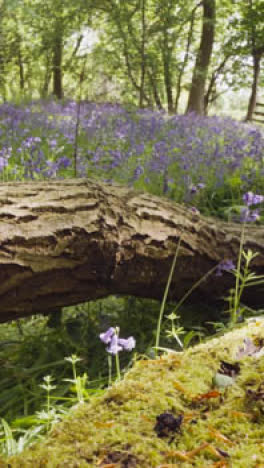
(110, 465)
(207, 396)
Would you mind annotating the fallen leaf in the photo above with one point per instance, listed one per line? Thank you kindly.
(207, 396)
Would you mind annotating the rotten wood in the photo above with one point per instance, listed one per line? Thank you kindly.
(71, 241)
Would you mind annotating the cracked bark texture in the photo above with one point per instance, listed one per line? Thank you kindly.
(71, 241)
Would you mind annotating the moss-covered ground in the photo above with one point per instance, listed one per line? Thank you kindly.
(221, 426)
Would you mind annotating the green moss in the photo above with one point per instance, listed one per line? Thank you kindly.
(118, 427)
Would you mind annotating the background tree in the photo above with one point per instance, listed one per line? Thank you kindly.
(197, 92)
(253, 23)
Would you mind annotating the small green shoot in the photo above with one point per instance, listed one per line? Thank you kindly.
(79, 382)
(164, 300)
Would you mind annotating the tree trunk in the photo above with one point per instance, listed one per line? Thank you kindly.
(154, 86)
(67, 242)
(2, 55)
(253, 97)
(142, 53)
(21, 66)
(185, 60)
(196, 97)
(57, 64)
(47, 79)
(167, 78)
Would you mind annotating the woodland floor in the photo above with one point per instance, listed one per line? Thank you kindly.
(216, 424)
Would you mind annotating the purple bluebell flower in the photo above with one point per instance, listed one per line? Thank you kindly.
(127, 344)
(137, 172)
(114, 347)
(251, 198)
(107, 336)
(116, 344)
(224, 265)
(64, 161)
(247, 216)
(3, 163)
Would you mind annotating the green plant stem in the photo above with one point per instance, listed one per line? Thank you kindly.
(109, 370)
(165, 297)
(74, 371)
(237, 295)
(117, 366)
(193, 288)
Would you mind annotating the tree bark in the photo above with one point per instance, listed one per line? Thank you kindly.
(256, 73)
(2, 55)
(166, 55)
(185, 60)
(57, 62)
(67, 242)
(196, 97)
(154, 86)
(142, 52)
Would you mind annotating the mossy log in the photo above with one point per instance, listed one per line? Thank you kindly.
(218, 426)
(66, 242)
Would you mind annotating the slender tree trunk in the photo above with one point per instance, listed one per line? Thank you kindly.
(67, 242)
(2, 54)
(57, 63)
(185, 61)
(143, 58)
(197, 92)
(21, 67)
(167, 76)
(253, 97)
(155, 91)
(47, 78)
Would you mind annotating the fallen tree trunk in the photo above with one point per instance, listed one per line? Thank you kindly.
(71, 241)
